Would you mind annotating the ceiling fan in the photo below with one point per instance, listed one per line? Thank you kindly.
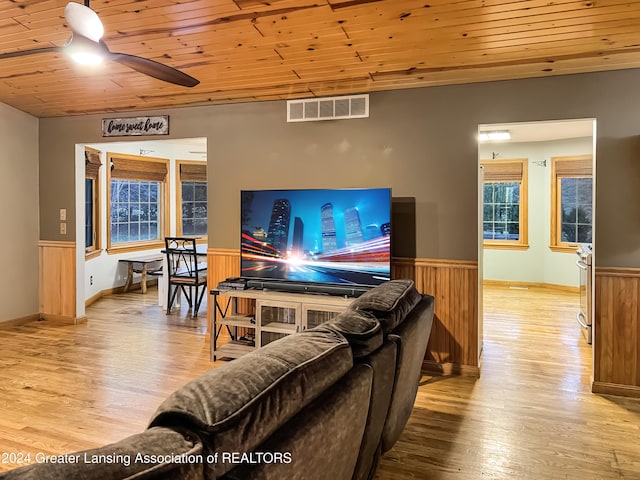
(85, 46)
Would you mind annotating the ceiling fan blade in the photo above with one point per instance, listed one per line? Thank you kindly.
(155, 69)
(84, 21)
(34, 51)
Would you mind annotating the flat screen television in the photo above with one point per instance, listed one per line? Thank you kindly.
(323, 237)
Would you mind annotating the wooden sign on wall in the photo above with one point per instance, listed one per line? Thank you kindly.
(124, 127)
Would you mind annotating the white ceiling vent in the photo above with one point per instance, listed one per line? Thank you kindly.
(328, 108)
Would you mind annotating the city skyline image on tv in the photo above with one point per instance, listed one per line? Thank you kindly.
(329, 236)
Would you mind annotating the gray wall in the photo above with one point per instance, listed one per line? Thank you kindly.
(19, 217)
(421, 142)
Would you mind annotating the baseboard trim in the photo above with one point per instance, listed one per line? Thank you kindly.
(63, 319)
(93, 299)
(16, 322)
(134, 286)
(446, 369)
(616, 389)
(110, 291)
(547, 286)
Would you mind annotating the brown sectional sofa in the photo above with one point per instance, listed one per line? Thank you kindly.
(321, 404)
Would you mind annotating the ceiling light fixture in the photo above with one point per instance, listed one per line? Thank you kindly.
(85, 51)
(84, 45)
(494, 135)
(86, 58)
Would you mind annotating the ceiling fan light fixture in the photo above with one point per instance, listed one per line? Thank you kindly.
(85, 51)
(86, 47)
(87, 58)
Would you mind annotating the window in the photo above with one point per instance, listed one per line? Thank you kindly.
(191, 197)
(505, 204)
(571, 202)
(136, 202)
(92, 202)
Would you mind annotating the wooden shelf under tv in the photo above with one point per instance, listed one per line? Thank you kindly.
(233, 349)
(280, 313)
(243, 321)
(279, 327)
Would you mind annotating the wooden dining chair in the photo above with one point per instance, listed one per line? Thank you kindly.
(185, 273)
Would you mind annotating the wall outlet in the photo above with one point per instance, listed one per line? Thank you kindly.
(91, 280)
(63, 228)
(63, 214)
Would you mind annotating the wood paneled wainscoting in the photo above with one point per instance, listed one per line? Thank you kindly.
(453, 345)
(223, 263)
(57, 282)
(616, 331)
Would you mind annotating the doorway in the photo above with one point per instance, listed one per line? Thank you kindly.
(100, 272)
(536, 206)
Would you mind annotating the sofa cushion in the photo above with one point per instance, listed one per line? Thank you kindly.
(383, 364)
(411, 337)
(361, 329)
(237, 406)
(321, 442)
(390, 302)
(144, 456)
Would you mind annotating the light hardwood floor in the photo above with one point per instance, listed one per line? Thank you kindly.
(529, 416)
(64, 388)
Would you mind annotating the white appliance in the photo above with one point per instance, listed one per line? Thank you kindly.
(585, 255)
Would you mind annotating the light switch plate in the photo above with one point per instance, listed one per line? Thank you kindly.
(63, 228)
(63, 214)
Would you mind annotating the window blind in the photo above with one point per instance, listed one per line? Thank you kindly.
(128, 168)
(573, 166)
(92, 163)
(503, 171)
(193, 172)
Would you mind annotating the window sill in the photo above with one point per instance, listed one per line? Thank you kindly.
(92, 254)
(200, 239)
(564, 248)
(506, 246)
(134, 247)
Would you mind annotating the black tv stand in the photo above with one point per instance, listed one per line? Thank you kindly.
(309, 287)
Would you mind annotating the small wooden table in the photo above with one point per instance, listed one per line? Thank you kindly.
(142, 265)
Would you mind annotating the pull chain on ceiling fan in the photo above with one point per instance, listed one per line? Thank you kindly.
(87, 47)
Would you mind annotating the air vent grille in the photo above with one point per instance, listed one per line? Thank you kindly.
(328, 108)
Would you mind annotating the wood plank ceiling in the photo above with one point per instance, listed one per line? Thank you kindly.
(249, 50)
